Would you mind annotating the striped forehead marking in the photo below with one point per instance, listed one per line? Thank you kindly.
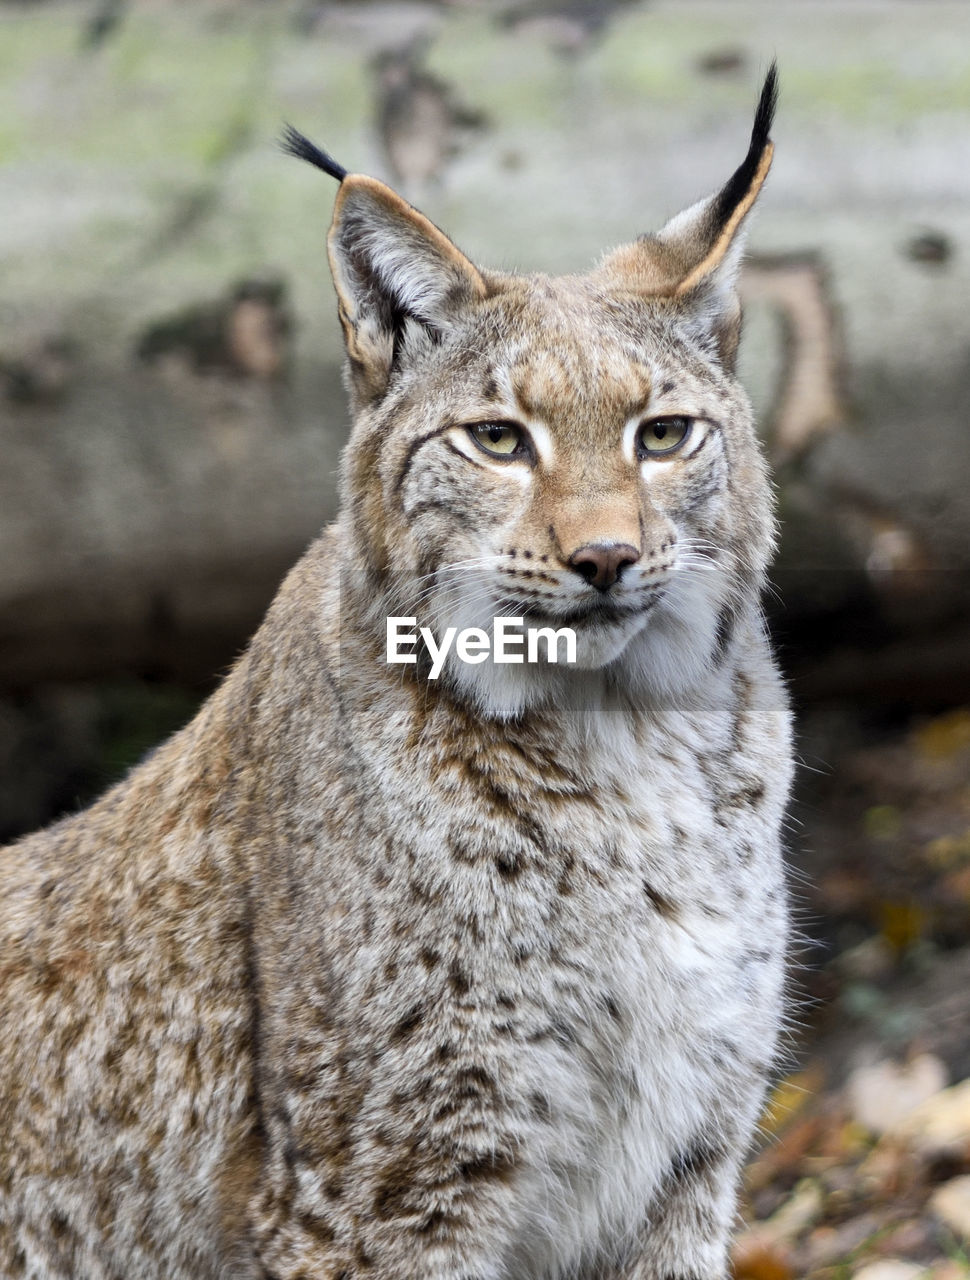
(573, 381)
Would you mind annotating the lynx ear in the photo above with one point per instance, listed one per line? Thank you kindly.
(400, 281)
(694, 260)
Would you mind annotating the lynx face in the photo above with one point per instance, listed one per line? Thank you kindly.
(601, 475)
(573, 451)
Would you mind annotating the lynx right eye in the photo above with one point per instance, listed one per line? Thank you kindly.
(500, 439)
(660, 436)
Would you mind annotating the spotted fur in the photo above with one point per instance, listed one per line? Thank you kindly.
(365, 977)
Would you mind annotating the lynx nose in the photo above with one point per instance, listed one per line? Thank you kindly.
(600, 562)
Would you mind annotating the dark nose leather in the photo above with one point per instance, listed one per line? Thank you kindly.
(600, 563)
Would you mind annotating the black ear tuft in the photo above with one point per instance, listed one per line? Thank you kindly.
(767, 105)
(295, 144)
(738, 185)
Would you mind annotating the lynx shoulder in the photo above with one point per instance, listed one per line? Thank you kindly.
(373, 976)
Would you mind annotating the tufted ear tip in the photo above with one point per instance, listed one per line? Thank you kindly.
(721, 217)
(745, 183)
(693, 244)
(294, 143)
(694, 259)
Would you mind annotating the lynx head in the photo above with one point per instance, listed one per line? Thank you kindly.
(574, 451)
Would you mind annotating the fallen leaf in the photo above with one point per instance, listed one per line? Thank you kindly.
(887, 1170)
(939, 1126)
(889, 1269)
(882, 1095)
(754, 1257)
(800, 1211)
(951, 1204)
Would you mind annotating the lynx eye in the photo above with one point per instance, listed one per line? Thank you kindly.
(662, 435)
(501, 439)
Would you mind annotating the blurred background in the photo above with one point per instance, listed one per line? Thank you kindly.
(171, 417)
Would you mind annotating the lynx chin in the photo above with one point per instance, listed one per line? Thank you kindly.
(366, 976)
(506, 642)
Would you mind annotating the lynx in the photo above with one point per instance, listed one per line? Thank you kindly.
(364, 976)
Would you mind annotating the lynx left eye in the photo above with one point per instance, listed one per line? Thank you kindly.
(501, 439)
(662, 435)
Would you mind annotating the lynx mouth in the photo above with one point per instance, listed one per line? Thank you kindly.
(595, 613)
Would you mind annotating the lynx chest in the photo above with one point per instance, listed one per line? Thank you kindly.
(587, 968)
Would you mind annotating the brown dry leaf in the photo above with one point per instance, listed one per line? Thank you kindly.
(756, 1257)
(888, 1168)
